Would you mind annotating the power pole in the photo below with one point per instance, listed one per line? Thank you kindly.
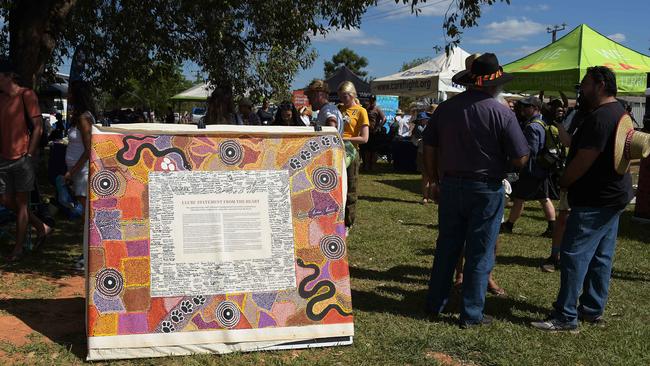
(555, 29)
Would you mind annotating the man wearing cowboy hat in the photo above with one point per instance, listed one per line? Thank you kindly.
(469, 143)
(599, 187)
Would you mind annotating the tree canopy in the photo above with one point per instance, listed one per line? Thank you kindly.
(350, 59)
(413, 63)
(253, 46)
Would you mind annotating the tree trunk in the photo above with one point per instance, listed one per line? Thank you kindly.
(34, 28)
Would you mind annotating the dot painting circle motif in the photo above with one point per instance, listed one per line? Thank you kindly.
(228, 314)
(105, 183)
(332, 247)
(231, 152)
(109, 282)
(324, 179)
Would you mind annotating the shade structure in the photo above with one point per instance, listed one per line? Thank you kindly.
(197, 93)
(425, 80)
(562, 64)
(344, 74)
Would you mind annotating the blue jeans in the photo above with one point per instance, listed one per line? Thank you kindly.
(586, 257)
(469, 216)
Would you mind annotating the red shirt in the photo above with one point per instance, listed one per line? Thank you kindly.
(14, 134)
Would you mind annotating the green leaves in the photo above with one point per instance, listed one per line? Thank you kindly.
(350, 59)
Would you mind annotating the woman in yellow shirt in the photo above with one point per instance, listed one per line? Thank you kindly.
(355, 131)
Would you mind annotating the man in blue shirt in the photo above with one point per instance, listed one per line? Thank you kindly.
(470, 142)
(534, 181)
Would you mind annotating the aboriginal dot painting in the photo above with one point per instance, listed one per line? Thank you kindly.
(119, 301)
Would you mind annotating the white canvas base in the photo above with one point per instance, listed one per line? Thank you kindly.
(218, 341)
(217, 348)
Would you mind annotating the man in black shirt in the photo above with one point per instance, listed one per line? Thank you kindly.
(598, 193)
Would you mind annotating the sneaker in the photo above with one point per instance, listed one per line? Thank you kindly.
(487, 320)
(555, 325)
(506, 227)
(592, 319)
(551, 264)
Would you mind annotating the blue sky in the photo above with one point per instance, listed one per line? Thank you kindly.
(390, 35)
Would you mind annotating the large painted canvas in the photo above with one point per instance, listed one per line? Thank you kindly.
(141, 303)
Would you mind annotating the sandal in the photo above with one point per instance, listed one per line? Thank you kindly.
(40, 241)
(497, 291)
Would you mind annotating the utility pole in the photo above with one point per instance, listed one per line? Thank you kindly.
(555, 29)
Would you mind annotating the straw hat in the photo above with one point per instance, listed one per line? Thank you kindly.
(629, 144)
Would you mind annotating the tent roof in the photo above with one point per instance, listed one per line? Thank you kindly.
(425, 79)
(562, 64)
(345, 74)
(198, 93)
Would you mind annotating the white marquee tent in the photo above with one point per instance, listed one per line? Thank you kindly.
(430, 79)
(197, 93)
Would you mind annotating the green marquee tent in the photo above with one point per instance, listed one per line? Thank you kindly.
(562, 64)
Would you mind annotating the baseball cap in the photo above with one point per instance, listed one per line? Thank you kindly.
(534, 101)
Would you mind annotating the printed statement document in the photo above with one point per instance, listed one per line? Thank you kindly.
(220, 232)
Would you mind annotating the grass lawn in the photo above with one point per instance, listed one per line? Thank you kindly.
(390, 250)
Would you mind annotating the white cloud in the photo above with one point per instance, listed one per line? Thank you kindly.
(508, 30)
(352, 36)
(387, 10)
(617, 37)
(519, 51)
(540, 7)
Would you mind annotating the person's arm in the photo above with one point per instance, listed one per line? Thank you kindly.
(382, 117)
(519, 162)
(362, 138)
(35, 139)
(578, 166)
(331, 121)
(84, 126)
(30, 103)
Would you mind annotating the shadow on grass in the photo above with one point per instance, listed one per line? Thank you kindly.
(518, 260)
(631, 276)
(401, 274)
(60, 320)
(384, 199)
(631, 230)
(55, 258)
(412, 304)
(412, 185)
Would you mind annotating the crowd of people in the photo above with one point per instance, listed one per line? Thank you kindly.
(475, 139)
(473, 150)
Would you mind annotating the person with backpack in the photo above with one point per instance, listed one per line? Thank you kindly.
(21, 128)
(535, 179)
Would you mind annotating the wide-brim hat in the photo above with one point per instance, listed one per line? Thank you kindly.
(485, 71)
(629, 144)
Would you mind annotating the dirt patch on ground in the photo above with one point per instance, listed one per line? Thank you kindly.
(445, 359)
(59, 319)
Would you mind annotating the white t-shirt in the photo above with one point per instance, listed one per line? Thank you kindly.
(403, 126)
(327, 111)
